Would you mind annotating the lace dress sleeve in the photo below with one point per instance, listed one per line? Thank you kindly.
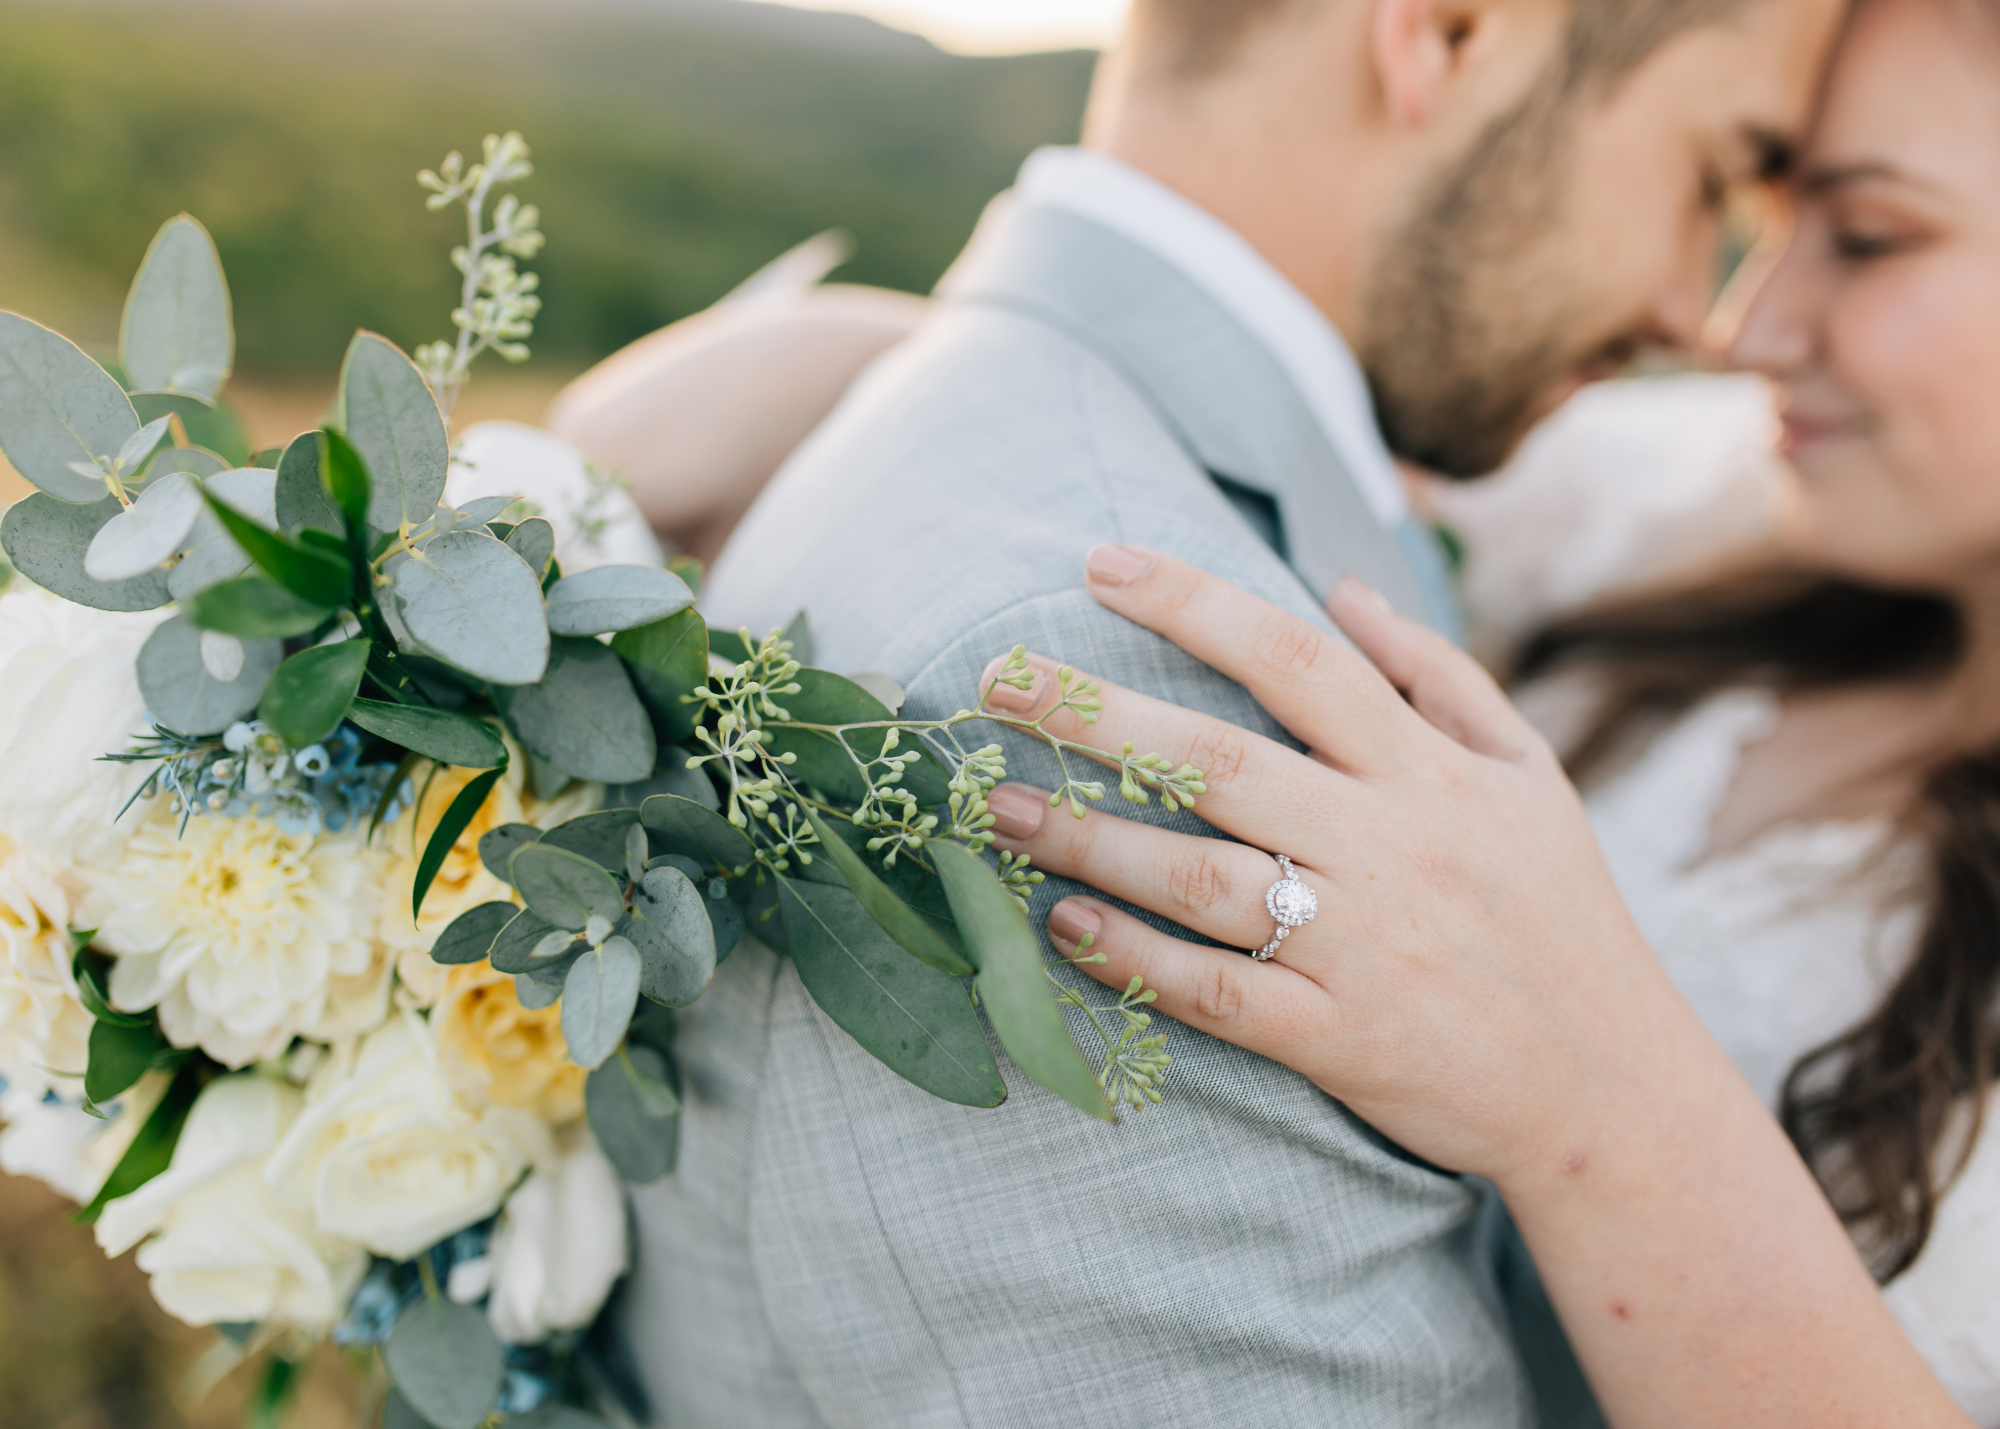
(1632, 484)
(1949, 1301)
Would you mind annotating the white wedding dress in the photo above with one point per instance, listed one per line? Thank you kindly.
(1793, 939)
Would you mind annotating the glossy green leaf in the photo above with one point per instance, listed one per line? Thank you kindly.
(436, 734)
(317, 576)
(344, 477)
(599, 837)
(897, 918)
(635, 1114)
(458, 817)
(385, 408)
(915, 1020)
(469, 600)
(46, 539)
(152, 1150)
(827, 698)
(565, 889)
(92, 971)
(667, 659)
(119, 1056)
(142, 536)
(57, 407)
(497, 847)
(212, 554)
(471, 934)
(309, 694)
(676, 941)
(598, 999)
(176, 334)
(446, 1362)
(256, 608)
(606, 599)
(302, 502)
(583, 716)
(678, 825)
(211, 425)
(1013, 986)
(182, 695)
(513, 949)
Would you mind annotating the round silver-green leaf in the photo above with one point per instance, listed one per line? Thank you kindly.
(386, 410)
(475, 604)
(676, 941)
(583, 716)
(182, 695)
(58, 407)
(498, 846)
(47, 539)
(598, 1000)
(564, 889)
(606, 599)
(142, 536)
(176, 335)
(447, 1362)
(471, 934)
(634, 1114)
(212, 555)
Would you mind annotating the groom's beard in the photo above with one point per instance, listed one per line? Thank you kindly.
(1477, 322)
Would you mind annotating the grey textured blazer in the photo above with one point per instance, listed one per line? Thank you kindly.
(837, 1248)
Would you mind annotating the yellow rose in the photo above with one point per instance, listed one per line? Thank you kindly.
(494, 1051)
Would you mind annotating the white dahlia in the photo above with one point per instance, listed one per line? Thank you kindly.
(242, 935)
(44, 1030)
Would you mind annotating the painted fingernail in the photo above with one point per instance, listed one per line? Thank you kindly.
(1117, 565)
(1009, 699)
(1017, 810)
(1351, 587)
(1073, 920)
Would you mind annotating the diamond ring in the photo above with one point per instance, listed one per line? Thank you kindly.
(1292, 903)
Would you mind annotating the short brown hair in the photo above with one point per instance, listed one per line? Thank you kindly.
(1607, 40)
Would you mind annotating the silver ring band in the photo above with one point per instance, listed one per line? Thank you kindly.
(1291, 904)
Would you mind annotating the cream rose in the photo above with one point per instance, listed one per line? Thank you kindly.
(44, 1031)
(559, 1248)
(221, 1245)
(387, 1156)
(244, 936)
(68, 694)
(494, 1051)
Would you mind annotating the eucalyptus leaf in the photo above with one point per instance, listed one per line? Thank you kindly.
(449, 738)
(212, 554)
(605, 599)
(140, 446)
(182, 695)
(46, 539)
(629, 1116)
(564, 889)
(534, 541)
(827, 698)
(599, 837)
(212, 425)
(221, 655)
(142, 536)
(534, 994)
(176, 334)
(667, 659)
(478, 513)
(58, 407)
(583, 716)
(470, 601)
(901, 922)
(195, 461)
(1013, 988)
(513, 949)
(676, 941)
(497, 847)
(254, 607)
(725, 917)
(446, 1362)
(670, 776)
(471, 934)
(309, 694)
(386, 410)
(317, 575)
(915, 1020)
(119, 1056)
(301, 496)
(598, 999)
(678, 825)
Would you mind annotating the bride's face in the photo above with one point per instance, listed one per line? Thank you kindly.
(1880, 324)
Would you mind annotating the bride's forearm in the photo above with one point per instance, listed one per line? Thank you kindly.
(1699, 1271)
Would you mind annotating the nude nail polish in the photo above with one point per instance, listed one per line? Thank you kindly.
(1017, 811)
(1117, 565)
(1073, 920)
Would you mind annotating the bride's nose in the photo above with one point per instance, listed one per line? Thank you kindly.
(1776, 318)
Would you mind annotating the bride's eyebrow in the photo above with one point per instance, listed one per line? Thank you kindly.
(1830, 178)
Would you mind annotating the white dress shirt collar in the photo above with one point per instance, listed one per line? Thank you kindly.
(1310, 349)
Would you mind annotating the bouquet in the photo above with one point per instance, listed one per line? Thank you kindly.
(363, 822)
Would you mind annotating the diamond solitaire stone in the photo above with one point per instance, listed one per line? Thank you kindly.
(1291, 903)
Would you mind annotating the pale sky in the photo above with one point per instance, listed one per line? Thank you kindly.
(992, 26)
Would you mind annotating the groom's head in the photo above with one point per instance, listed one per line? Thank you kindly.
(1495, 200)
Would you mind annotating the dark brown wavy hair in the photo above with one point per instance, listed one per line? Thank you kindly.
(1877, 1111)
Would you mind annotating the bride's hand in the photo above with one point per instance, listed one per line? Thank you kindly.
(1471, 975)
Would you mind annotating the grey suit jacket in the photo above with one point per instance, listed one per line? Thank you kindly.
(836, 1247)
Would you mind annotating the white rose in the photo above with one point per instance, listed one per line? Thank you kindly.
(65, 1147)
(242, 935)
(386, 1156)
(68, 694)
(559, 1248)
(221, 1245)
(596, 520)
(44, 1030)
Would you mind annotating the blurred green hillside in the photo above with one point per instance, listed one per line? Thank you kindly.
(677, 149)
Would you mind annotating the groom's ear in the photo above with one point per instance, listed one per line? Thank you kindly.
(1420, 46)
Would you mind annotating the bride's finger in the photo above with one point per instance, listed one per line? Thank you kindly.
(1262, 1007)
(1326, 694)
(1210, 886)
(1442, 683)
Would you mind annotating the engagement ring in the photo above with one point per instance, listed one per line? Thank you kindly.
(1291, 903)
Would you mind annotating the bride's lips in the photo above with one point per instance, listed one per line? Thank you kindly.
(1803, 431)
